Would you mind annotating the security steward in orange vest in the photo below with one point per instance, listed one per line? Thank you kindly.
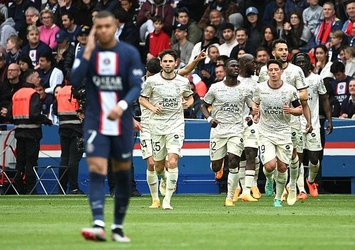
(71, 142)
(27, 118)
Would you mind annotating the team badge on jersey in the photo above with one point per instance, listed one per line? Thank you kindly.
(341, 88)
(107, 63)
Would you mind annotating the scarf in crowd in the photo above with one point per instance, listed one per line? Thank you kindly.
(324, 31)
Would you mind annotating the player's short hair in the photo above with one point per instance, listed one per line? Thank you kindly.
(229, 60)
(104, 14)
(337, 67)
(277, 41)
(168, 52)
(153, 65)
(273, 61)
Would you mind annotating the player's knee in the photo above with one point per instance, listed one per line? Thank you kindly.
(313, 157)
(250, 154)
(150, 164)
(173, 162)
(270, 166)
(216, 166)
(233, 161)
(281, 167)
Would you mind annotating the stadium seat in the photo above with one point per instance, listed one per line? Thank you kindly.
(40, 172)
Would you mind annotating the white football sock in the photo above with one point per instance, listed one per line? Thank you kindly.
(256, 176)
(300, 179)
(171, 180)
(280, 184)
(152, 180)
(241, 174)
(269, 175)
(294, 165)
(232, 182)
(162, 174)
(249, 179)
(313, 171)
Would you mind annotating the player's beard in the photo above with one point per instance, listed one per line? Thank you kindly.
(168, 71)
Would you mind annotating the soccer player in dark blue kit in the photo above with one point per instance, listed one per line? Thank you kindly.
(113, 71)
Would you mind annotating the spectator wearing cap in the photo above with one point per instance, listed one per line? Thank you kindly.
(229, 12)
(126, 30)
(194, 33)
(6, 29)
(312, 15)
(295, 5)
(73, 51)
(48, 30)
(49, 74)
(61, 51)
(350, 10)
(70, 27)
(253, 25)
(35, 47)
(228, 35)
(158, 40)
(183, 46)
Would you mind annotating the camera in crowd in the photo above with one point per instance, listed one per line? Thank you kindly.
(80, 95)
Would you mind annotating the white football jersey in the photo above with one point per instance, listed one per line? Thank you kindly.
(228, 104)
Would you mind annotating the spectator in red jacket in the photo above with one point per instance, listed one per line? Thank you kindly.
(158, 40)
(153, 8)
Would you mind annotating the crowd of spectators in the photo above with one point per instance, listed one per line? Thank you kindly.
(47, 36)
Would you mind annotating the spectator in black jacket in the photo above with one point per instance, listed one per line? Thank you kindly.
(73, 51)
(16, 10)
(348, 105)
(62, 50)
(126, 30)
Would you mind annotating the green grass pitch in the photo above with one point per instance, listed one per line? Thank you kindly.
(197, 222)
